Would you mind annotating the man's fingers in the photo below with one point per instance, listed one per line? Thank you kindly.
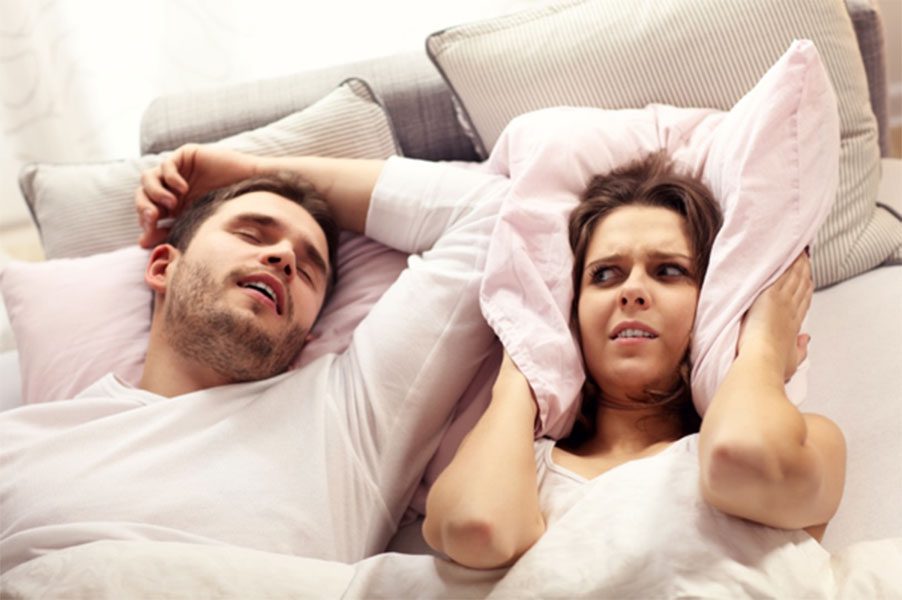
(152, 236)
(149, 215)
(172, 178)
(155, 191)
(150, 239)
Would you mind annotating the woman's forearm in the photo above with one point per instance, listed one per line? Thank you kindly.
(483, 510)
(760, 458)
(751, 417)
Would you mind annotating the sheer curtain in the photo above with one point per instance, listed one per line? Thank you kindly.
(75, 75)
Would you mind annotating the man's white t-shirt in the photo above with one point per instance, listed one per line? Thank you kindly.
(318, 462)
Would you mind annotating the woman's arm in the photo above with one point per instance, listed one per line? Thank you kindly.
(483, 510)
(761, 459)
(195, 169)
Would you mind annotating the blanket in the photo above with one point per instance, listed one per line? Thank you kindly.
(131, 569)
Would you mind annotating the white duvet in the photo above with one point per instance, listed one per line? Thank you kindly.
(640, 530)
(117, 569)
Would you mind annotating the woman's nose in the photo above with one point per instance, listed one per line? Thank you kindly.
(636, 298)
(634, 293)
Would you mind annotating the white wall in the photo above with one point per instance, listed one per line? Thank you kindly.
(76, 75)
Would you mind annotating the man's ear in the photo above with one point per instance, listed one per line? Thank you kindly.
(156, 274)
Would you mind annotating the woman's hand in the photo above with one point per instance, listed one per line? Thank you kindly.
(184, 176)
(774, 320)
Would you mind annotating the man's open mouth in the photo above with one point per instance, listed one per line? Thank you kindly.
(266, 287)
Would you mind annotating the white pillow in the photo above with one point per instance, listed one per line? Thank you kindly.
(83, 209)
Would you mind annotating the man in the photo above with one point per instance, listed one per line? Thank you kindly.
(215, 447)
(238, 285)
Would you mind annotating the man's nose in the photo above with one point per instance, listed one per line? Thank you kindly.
(280, 256)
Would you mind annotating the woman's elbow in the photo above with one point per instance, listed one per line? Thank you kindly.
(755, 482)
(479, 543)
(729, 471)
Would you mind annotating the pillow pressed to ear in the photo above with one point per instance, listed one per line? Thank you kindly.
(770, 162)
(612, 54)
(103, 323)
(83, 209)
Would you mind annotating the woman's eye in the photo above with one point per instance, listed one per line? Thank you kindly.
(672, 271)
(603, 274)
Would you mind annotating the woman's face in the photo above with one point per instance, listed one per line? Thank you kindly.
(637, 300)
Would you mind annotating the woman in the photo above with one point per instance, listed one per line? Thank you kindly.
(641, 238)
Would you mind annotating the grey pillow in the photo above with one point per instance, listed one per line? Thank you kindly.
(83, 209)
(703, 53)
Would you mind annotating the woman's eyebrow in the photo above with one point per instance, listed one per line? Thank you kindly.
(653, 254)
(611, 258)
(657, 254)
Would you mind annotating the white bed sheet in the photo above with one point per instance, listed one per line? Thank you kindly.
(855, 378)
(125, 569)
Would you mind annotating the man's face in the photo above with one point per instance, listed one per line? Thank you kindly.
(244, 295)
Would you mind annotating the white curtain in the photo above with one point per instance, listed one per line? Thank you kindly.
(76, 75)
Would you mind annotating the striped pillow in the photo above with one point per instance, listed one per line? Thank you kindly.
(689, 53)
(87, 208)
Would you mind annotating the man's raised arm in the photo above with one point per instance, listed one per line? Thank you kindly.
(195, 169)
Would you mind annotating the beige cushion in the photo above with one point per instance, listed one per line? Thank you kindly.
(705, 53)
(83, 209)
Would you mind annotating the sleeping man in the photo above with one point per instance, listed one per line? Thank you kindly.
(218, 444)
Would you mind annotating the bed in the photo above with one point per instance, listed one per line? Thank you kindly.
(453, 107)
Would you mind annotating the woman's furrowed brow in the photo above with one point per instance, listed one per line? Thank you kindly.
(657, 254)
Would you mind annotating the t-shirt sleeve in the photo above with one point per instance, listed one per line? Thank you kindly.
(414, 354)
(415, 202)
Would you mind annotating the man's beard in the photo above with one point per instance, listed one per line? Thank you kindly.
(231, 344)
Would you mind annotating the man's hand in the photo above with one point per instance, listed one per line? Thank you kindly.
(186, 175)
(774, 320)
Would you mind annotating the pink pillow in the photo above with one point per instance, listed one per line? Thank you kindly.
(77, 319)
(771, 161)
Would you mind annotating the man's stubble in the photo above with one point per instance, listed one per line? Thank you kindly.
(201, 328)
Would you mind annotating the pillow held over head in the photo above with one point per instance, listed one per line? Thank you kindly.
(771, 163)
